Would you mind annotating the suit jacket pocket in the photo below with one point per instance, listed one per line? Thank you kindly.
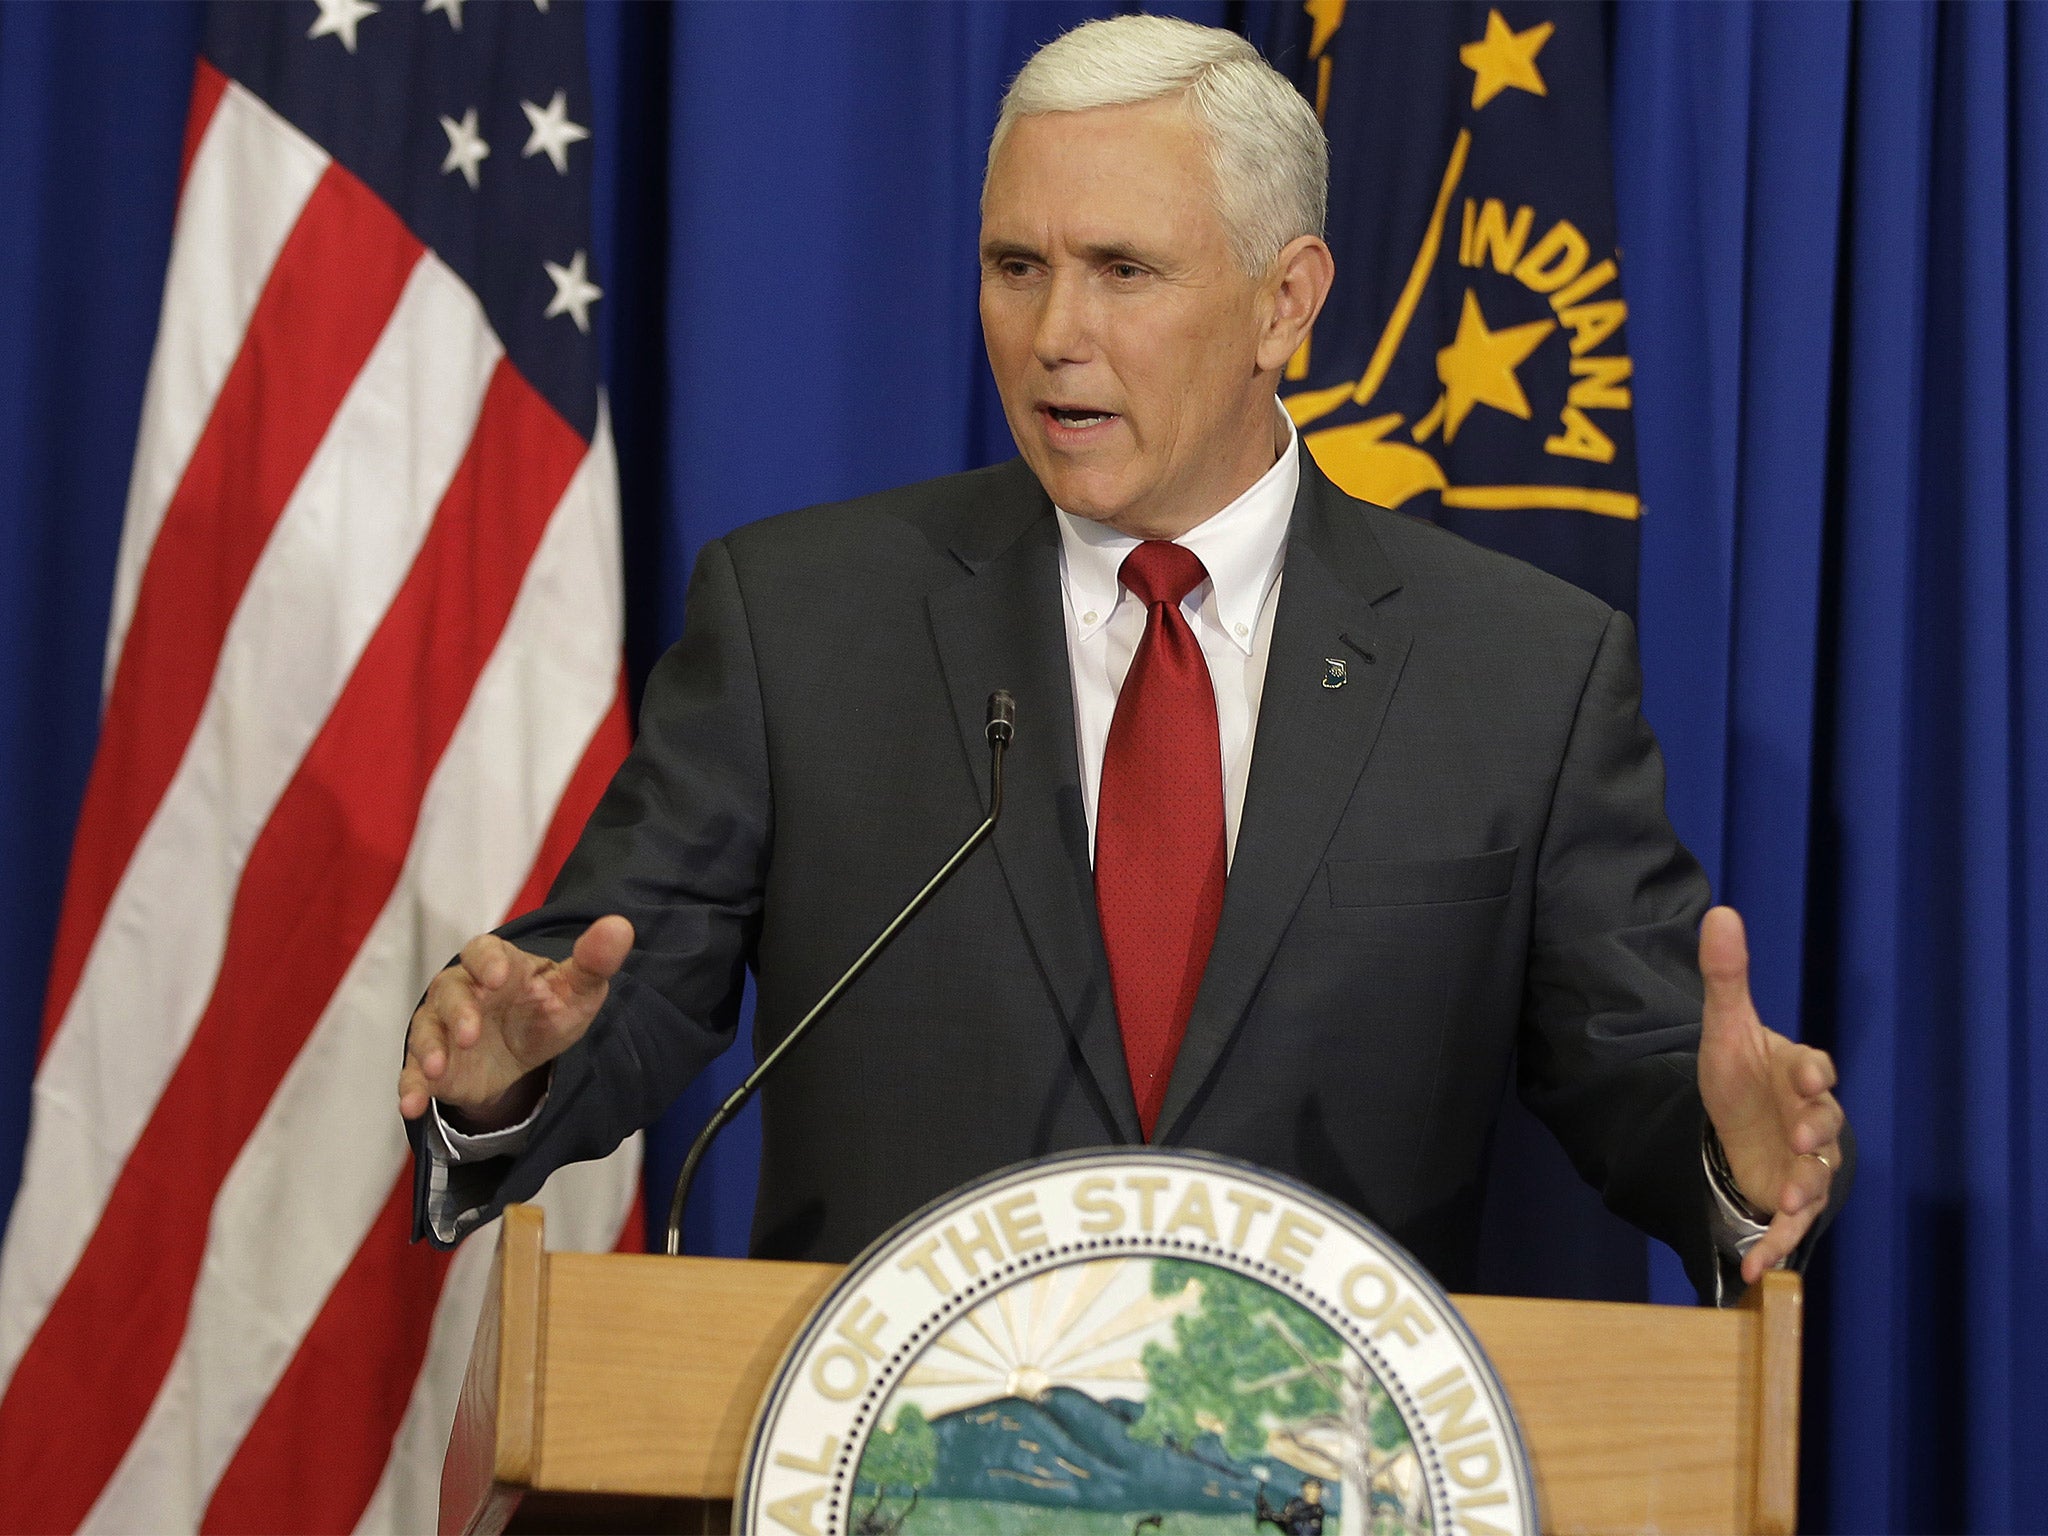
(1421, 882)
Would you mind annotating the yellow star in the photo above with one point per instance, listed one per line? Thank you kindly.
(1503, 58)
(1328, 16)
(1478, 368)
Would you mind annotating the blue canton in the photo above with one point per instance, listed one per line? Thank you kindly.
(400, 93)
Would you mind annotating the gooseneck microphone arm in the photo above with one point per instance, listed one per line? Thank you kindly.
(1002, 725)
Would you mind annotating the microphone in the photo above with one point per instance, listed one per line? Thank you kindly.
(1001, 728)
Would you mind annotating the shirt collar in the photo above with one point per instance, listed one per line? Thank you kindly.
(1241, 547)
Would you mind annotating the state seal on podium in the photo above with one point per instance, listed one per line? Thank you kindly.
(1136, 1341)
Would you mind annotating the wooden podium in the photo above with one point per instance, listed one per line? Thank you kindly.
(615, 1391)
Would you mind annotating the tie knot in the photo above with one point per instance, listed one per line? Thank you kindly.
(1160, 572)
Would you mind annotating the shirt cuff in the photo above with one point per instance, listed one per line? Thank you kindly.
(1735, 1231)
(455, 1206)
(463, 1147)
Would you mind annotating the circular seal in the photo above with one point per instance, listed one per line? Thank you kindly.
(1136, 1342)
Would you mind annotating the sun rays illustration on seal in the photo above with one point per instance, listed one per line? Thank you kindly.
(1082, 1325)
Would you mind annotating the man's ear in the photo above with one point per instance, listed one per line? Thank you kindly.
(1295, 288)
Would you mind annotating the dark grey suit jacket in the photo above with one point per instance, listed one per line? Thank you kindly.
(1457, 860)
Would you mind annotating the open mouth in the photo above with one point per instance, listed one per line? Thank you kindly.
(1078, 418)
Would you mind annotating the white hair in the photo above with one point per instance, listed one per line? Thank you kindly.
(1267, 152)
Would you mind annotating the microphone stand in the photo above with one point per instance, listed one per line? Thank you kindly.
(1002, 725)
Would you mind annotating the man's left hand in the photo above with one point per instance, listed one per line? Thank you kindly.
(1770, 1099)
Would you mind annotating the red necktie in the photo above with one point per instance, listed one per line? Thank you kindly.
(1159, 860)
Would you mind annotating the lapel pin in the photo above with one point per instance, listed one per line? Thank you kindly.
(1334, 672)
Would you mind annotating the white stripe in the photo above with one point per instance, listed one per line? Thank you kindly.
(587, 1205)
(339, 553)
(319, 1166)
(249, 182)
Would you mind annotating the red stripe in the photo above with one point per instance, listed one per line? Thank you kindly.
(601, 760)
(633, 1235)
(318, 875)
(208, 86)
(298, 1469)
(271, 1485)
(330, 296)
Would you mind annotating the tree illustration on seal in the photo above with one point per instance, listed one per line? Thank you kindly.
(1269, 1378)
(903, 1459)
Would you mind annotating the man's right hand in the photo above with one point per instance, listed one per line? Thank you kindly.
(494, 1018)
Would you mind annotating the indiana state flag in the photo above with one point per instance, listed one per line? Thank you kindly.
(1472, 364)
(1472, 367)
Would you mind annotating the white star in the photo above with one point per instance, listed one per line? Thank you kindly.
(574, 292)
(452, 7)
(466, 147)
(340, 18)
(552, 130)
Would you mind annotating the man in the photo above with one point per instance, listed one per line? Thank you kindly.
(1317, 815)
(1301, 1515)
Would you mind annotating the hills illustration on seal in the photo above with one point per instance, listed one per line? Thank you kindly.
(1139, 1394)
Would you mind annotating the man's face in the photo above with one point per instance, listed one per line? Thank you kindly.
(1125, 338)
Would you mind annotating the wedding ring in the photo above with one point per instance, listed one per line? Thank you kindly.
(1821, 1158)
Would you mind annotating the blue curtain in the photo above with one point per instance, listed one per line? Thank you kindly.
(1835, 223)
(93, 99)
(1834, 229)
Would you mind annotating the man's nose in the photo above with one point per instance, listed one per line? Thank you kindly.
(1065, 330)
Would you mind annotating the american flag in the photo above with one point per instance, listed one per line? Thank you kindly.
(362, 687)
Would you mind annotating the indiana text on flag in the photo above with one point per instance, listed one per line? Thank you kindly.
(1471, 363)
(362, 687)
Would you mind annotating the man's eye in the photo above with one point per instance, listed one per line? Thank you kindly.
(1126, 271)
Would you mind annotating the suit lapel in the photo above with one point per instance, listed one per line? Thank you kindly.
(1003, 628)
(1309, 750)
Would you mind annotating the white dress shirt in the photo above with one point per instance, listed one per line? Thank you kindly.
(1231, 614)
